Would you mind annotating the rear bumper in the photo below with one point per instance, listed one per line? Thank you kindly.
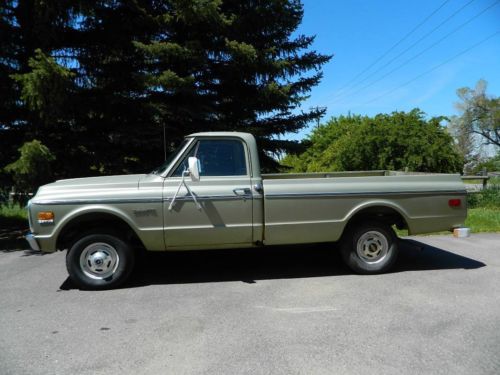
(32, 242)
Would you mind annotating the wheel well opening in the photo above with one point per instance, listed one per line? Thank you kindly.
(96, 223)
(383, 214)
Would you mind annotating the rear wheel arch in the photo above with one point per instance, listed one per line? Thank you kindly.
(384, 213)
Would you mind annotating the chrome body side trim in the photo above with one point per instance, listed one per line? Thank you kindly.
(245, 196)
(140, 200)
(96, 201)
(210, 197)
(363, 194)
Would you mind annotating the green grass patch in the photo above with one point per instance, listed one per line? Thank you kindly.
(13, 225)
(483, 219)
(491, 181)
(473, 182)
(494, 181)
(13, 213)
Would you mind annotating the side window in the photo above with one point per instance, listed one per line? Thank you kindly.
(184, 164)
(218, 157)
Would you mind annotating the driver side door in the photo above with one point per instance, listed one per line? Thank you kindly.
(223, 192)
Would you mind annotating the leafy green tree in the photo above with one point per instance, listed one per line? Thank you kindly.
(491, 164)
(45, 88)
(32, 33)
(480, 115)
(33, 168)
(466, 144)
(396, 141)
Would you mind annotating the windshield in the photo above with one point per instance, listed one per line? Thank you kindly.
(170, 157)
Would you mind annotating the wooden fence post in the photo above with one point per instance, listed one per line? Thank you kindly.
(485, 181)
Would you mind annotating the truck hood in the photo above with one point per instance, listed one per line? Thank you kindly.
(88, 187)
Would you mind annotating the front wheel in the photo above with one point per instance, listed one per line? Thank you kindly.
(370, 248)
(99, 261)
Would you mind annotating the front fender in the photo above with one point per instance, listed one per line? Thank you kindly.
(48, 236)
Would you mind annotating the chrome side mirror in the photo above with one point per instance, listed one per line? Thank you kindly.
(193, 168)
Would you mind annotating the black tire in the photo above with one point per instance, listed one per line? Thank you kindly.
(369, 247)
(99, 261)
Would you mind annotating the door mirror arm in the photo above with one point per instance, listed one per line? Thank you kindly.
(186, 172)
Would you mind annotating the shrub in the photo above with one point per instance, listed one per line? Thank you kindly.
(396, 141)
(488, 198)
(491, 165)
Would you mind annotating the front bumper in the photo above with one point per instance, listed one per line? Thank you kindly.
(32, 242)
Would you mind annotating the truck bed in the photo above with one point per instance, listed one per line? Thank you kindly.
(306, 206)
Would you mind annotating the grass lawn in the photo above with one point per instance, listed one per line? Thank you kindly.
(483, 219)
(13, 225)
(491, 181)
(12, 212)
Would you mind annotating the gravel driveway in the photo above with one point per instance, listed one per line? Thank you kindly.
(269, 311)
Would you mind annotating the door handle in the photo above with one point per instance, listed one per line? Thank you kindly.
(242, 191)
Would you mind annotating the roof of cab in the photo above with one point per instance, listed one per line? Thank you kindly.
(246, 136)
(224, 134)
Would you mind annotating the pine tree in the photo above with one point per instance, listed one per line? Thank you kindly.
(100, 81)
(232, 65)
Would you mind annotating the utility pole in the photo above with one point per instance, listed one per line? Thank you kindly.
(164, 144)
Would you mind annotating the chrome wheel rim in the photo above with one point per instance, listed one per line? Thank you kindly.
(99, 260)
(372, 247)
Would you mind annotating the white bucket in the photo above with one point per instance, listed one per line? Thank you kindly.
(461, 232)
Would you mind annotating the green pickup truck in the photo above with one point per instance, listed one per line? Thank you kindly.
(210, 194)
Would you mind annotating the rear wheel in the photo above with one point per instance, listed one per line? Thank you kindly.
(370, 247)
(99, 261)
